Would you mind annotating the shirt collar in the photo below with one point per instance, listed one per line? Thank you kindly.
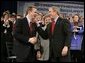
(28, 18)
(56, 19)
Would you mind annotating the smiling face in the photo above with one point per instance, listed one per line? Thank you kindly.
(53, 12)
(6, 17)
(47, 20)
(75, 18)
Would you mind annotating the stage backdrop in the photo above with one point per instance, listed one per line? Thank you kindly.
(66, 8)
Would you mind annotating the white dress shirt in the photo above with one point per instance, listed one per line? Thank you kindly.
(28, 19)
(56, 19)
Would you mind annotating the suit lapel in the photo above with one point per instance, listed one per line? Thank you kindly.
(26, 24)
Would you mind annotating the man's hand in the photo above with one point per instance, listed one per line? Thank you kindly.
(64, 51)
(32, 40)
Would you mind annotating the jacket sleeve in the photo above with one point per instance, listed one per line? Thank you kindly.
(81, 30)
(43, 33)
(17, 33)
(67, 32)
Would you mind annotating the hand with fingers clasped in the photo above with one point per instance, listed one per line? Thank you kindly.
(32, 40)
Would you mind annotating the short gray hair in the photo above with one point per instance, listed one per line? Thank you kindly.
(55, 9)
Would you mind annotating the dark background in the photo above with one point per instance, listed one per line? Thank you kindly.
(8, 5)
(11, 5)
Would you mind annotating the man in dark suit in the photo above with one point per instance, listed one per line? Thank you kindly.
(59, 37)
(25, 37)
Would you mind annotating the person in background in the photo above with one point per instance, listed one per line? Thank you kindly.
(2, 18)
(19, 16)
(81, 21)
(38, 19)
(13, 18)
(61, 15)
(76, 39)
(82, 46)
(68, 18)
(6, 35)
(44, 43)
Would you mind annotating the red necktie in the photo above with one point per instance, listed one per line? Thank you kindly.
(30, 26)
(52, 26)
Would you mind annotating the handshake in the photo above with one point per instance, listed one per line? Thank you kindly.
(32, 40)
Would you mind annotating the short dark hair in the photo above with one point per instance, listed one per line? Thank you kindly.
(75, 15)
(29, 9)
(55, 9)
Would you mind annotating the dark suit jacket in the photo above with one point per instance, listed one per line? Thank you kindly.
(7, 36)
(22, 48)
(59, 38)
